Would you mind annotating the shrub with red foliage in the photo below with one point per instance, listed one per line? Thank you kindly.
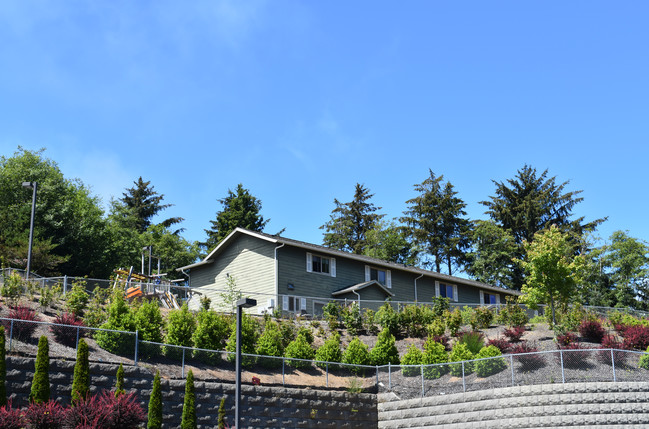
(500, 343)
(515, 333)
(566, 339)
(574, 356)
(67, 335)
(610, 342)
(592, 330)
(528, 362)
(44, 415)
(11, 418)
(123, 411)
(636, 337)
(21, 330)
(443, 340)
(86, 413)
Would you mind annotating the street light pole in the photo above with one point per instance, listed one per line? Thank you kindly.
(242, 303)
(30, 185)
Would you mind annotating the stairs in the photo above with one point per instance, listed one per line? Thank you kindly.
(615, 405)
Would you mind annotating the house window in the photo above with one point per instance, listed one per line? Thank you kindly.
(320, 264)
(489, 298)
(293, 304)
(382, 276)
(446, 291)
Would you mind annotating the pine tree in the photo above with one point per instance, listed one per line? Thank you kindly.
(3, 369)
(140, 204)
(40, 391)
(240, 209)
(189, 406)
(350, 222)
(385, 351)
(155, 405)
(81, 378)
(119, 382)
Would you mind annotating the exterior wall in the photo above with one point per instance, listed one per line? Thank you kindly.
(249, 260)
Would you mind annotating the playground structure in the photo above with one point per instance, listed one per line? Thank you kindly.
(139, 285)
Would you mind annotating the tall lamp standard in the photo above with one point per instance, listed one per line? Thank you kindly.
(30, 185)
(242, 303)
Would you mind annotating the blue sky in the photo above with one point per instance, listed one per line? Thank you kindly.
(299, 101)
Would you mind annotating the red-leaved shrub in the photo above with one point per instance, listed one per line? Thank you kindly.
(123, 411)
(11, 418)
(500, 343)
(67, 335)
(443, 340)
(618, 352)
(514, 333)
(573, 355)
(44, 415)
(528, 362)
(636, 337)
(592, 330)
(21, 330)
(86, 413)
(566, 339)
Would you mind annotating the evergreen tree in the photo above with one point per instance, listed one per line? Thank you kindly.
(3, 368)
(389, 242)
(155, 405)
(530, 203)
(40, 391)
(490, 260)
(350, 222)
(180, 329)
(240, 209)
(385, 350)
(437, 225)
(119, 381)
(221, 421)
(189, 406)
(81, 378)
(626, 260)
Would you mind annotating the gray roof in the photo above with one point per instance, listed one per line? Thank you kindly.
(361, 286)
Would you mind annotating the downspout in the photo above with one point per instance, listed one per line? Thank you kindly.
(359, 299)
(188, 278)
(277, 276)
(416, 286)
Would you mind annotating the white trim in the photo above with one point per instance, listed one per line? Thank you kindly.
(456, 298)
(498, 298)
(388, 279)
(285, 303)
(482, 297)
(309, 262)
(367, 273)
(302, 304)
(332, 267)
(436, 288)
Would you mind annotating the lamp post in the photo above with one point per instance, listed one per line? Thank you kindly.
(30, 185)
(242, 303)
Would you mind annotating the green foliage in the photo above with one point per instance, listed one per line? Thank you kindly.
(369, 317)
(188, 420)
(206, 302)
(3, 368)
(240, 209)
(212, 329)
(434, 353)
(180, 329)
(329, 351)
(627, 260)
(230, 295)
(155, 405)
(299, 349)
(487, 367)
(270, 344)
(221, 421)
(388, 241)
(571, 317)
(49, 294)
(460, 353)
(484, 317)
(96, 313)
(436, 327)
(350, 223)
(76, 299)
(644, 360)
(288, 330)
(388, 318)
(148, 321)
(40, 391)
(512, 314)
(81, 378)
(473, 340)
(351, 315)
(413, 356)
(357, 353)
(453, 320)
(249, 335)
(119, 381)
(13, 287)
(413, 320)
(490, 260)
(121, 318)
(440, 305)
(385, 350)
(331, 313)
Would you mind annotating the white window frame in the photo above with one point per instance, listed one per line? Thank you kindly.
(388, 275)
(332, 264)
(482, 300)
(298, 302)
(437, 290)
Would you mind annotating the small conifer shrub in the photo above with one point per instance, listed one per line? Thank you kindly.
(155, 404)
(357, 353)
(329, 351)
(434, 354)
(385, 350)
(119, 381)
(413, 356)
(81, 378)
(270, 344)
(188, 420)
(461, 353)
(221, 421)
(492, 365)
(299, 349)
(40, 391)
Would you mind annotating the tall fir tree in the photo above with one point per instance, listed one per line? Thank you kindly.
(490, 259)
(437, 224)
(188, 420)
(40, 391)
(240, 209)
(350, 223)
(81, 377)
(155, 404)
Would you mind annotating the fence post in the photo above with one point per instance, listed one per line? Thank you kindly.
(182, 373)
(76, 347)
(511, 364)
(422, 380)
(613, 365)
(65, 284)
(327, 373)
(463, 380)
(377, 378)
(11, 333)
(390, 375)
(136, 341)
(563, 375)
(283, 371)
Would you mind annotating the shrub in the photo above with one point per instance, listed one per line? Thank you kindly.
(490, 363)
(484, 317)
(49, 294)
(566, 340)
(351, 315)
(180, 329)
(514, 334)
(573, 355)
(413, 356)
(221, 418)
(21, 330)
(528, 358)
(248, 339)
(212, 329)
(188, 420)
(81, 378)
(308, 335)
(120, 318)
(636, 337)
(96, 314)
(604, 356)
(11, 418)
(436, 327)
(369, 316)
(592, 330)
(270, 344)
(388, 319)
(644, 360)
(119, 381)
(3, 369)
(148, 321)
(76, 300)
(299, 349)
(331, 313)
(434, 354)
(67, 335)
(122, 411)
(12, 287)
(443, 340)
(501, 344)
(44, 415)
(474, 341)
(87, 412)
(385, 350)
(357, 353)
(40, 391)
(460, 353)
(329, 351)
(512, 314)
(440, 305)
(413, 320)
(288, 330)
(453, 321)
(154, 416)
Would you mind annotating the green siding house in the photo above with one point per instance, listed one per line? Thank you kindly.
(298, 277)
